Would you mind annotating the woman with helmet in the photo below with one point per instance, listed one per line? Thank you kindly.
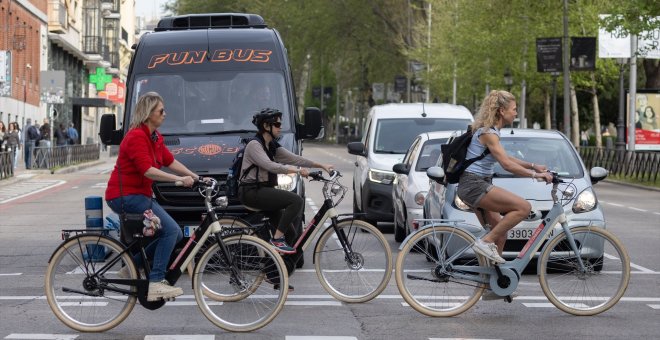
(263, 159)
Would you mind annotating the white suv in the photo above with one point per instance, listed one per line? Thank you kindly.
(387, 134)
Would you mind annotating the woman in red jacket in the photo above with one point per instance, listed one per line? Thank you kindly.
(141, 155)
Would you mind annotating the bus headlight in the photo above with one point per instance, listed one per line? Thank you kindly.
(286, 181)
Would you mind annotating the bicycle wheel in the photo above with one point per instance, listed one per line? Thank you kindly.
(590, 291)
(226, 223)
(429, 276)
(240, 302)
(74, 283)
(367, 272)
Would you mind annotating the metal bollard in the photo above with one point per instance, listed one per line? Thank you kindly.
(94, 219)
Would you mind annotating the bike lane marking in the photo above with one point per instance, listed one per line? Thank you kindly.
(41, 336)
(20, 189)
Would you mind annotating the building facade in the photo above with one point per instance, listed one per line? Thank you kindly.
(22, 57)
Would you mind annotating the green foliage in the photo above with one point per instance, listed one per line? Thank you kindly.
(353, 43)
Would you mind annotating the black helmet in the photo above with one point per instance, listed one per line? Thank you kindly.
(266, 115)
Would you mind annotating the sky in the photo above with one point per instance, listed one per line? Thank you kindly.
(149, 8)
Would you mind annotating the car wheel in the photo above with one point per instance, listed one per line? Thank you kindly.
(399, 231)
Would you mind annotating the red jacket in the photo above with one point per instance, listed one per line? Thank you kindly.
(137, 153)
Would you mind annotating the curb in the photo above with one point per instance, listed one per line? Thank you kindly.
(638, 186)
(77, 167)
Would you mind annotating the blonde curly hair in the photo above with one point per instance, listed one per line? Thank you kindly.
(488, 112)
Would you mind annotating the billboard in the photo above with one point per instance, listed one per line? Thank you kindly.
(647, 119)
(548, 55)
(5, 73)
(616, 44)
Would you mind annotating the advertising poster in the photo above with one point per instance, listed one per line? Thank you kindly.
(647, 121)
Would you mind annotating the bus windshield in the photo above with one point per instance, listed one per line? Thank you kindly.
(214, 102)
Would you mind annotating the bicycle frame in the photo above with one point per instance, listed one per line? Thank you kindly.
(210, 225)
(512, 269)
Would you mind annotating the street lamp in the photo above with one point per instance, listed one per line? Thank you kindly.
(508, 79)
(620, 124)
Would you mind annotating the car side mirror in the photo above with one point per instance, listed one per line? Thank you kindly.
(356, 148)
(313, 127)
(401, 168)
(597, 174)
(107, 132)
(436, 174)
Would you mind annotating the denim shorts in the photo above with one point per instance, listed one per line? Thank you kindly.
(472, 188)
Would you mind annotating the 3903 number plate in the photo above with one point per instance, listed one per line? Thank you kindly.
(523, 233)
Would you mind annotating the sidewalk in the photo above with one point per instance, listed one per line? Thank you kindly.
(21, 173)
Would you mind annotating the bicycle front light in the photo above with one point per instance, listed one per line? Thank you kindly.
(419, 197)
(286, 181)
(586, 201)
(380, 176)
(458, 203)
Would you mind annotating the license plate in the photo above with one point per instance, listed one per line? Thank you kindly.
(523, 233)
(188, 230)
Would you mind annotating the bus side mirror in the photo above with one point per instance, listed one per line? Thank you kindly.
(107, 132)
(313, 127)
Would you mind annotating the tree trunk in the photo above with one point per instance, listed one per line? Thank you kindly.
(594, 101)
(302, 87)
(547, 110)
(652, 71)
(575, 118)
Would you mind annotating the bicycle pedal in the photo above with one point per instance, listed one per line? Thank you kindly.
(508, 299)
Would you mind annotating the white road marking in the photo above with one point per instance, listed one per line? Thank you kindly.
(312, 303)
(637, 209)
(346, 160)
(11, 274)
(180, 337)
(636, 266)
(316, 337)
(548, 305)
(42, 336)
(461, 339)
(616, 204)
(654, 306)
(50, 184)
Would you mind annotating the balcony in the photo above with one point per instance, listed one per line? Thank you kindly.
(57, 17)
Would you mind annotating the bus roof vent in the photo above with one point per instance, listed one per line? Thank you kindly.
(206, 21)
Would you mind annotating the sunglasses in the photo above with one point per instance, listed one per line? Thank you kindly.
(276, 124)
(161, 111)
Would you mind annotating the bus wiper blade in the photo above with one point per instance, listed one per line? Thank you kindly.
(210, 133)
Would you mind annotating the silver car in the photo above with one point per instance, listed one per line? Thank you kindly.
(550, 148)
(411, 184)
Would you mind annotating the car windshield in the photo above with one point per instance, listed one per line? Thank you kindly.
(557, 154)
(395, 135)
(429, 154)
(214, 102)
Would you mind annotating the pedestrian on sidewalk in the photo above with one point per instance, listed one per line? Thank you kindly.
(31, 137)
(13, 141)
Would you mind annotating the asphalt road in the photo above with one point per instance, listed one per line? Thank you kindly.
(33, 211)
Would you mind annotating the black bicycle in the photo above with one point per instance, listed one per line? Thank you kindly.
(352, 258)
(232, 278)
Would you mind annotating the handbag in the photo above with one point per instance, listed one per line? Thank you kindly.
(130, 224)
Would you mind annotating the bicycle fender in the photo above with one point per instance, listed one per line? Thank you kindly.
(574, 223)
(468, 228)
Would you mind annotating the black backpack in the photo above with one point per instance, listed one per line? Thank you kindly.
(453, 156)
(236, 173)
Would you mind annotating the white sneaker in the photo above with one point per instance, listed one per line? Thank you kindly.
(489, 295)
(488, 250)
(162, 290)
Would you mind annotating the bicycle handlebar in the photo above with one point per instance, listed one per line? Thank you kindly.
(318, 175)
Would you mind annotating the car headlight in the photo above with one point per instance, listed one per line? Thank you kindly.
(460, 204)
(419, 197)
(586, 201)
(380, 176)
(286, 181)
